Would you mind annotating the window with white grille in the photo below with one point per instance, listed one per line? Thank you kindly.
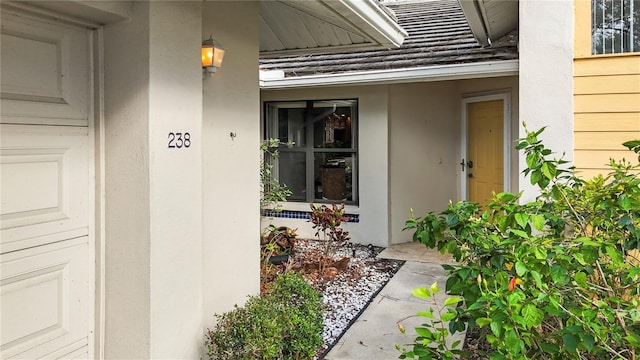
(615, 26)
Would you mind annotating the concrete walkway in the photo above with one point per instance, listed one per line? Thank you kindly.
(374, 335)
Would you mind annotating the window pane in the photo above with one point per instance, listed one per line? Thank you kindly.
(333, 176)
(614, 26)
(286, 122)
(292, 172)
(333, 124)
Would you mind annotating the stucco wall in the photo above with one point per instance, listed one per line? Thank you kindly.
(176, 180)
(127, 192)
(425, 149)
(153, 209)
(230, 165)
(373, 161)
(546, 76)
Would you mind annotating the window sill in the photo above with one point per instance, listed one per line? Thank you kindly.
(304, 206)
(302, 212)
(604, 56)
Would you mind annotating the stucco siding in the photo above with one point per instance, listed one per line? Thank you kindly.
(231, 103)
(425, 151)
(546, 78)
(153, 211)
(606, 101)
(127, 198)
(425, 122)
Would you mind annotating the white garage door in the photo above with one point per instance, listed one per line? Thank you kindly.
(46, 241)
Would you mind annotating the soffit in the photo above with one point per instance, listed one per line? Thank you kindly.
(296, 27)
(501, 16)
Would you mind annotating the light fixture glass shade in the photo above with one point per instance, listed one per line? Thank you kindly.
(212, 55)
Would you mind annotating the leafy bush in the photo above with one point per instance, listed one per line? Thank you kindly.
(286, 323)
(327, 220)
(432, 336)
(556, 278)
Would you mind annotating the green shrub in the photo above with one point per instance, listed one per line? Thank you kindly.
(286, 323)
(556, 278)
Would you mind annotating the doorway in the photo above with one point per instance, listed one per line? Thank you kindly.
(485, 147)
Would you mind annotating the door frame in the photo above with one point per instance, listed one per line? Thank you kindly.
(505, 96)
(97, 125)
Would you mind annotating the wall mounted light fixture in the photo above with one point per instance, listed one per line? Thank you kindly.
(212, 54)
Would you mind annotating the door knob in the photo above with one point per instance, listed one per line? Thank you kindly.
(470, 175)
(470, 164)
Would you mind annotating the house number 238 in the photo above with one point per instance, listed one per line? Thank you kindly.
(179, 140)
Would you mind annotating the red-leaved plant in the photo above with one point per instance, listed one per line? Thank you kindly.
(327, 220)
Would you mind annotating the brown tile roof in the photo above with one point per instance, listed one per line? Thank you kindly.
(438, 35)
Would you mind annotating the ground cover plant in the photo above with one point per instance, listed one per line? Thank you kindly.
(555, 278)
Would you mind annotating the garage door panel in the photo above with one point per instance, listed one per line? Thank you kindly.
(44, 67)
(44, 299)
(47, 248)
(44, 185)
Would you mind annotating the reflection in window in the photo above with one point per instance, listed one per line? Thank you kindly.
(322, 163)
(615, 26)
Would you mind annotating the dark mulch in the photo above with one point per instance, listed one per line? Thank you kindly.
(476, 345)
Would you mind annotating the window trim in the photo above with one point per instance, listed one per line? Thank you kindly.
(632, 46)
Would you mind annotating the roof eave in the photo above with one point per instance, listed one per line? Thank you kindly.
(394, 76)
(321, 50)
(476, 21)
(366, 18)
(373, 21)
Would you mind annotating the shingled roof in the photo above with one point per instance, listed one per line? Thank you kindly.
(438, 35)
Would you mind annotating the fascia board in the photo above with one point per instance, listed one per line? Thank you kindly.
(421, 74)
(371, 20)
(321, 50)
(475, 20)
(92, 13)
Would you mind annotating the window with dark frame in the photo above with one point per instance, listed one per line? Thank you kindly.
(615, 26)
(322, 163)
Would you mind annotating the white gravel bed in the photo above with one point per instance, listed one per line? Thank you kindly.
(347, 293)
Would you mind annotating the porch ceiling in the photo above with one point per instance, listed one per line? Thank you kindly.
(295, 27)
(490, 19)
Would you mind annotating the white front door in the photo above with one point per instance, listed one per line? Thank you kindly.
(47, 201)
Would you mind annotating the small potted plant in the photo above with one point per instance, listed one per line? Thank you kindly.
(277, 244)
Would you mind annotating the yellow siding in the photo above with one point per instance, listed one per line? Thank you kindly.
(591, 173)
(584, 159)
(606, 122)
(620, 84)
(599, 65)
(606, 101)
(600, 140)
(582, 33)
